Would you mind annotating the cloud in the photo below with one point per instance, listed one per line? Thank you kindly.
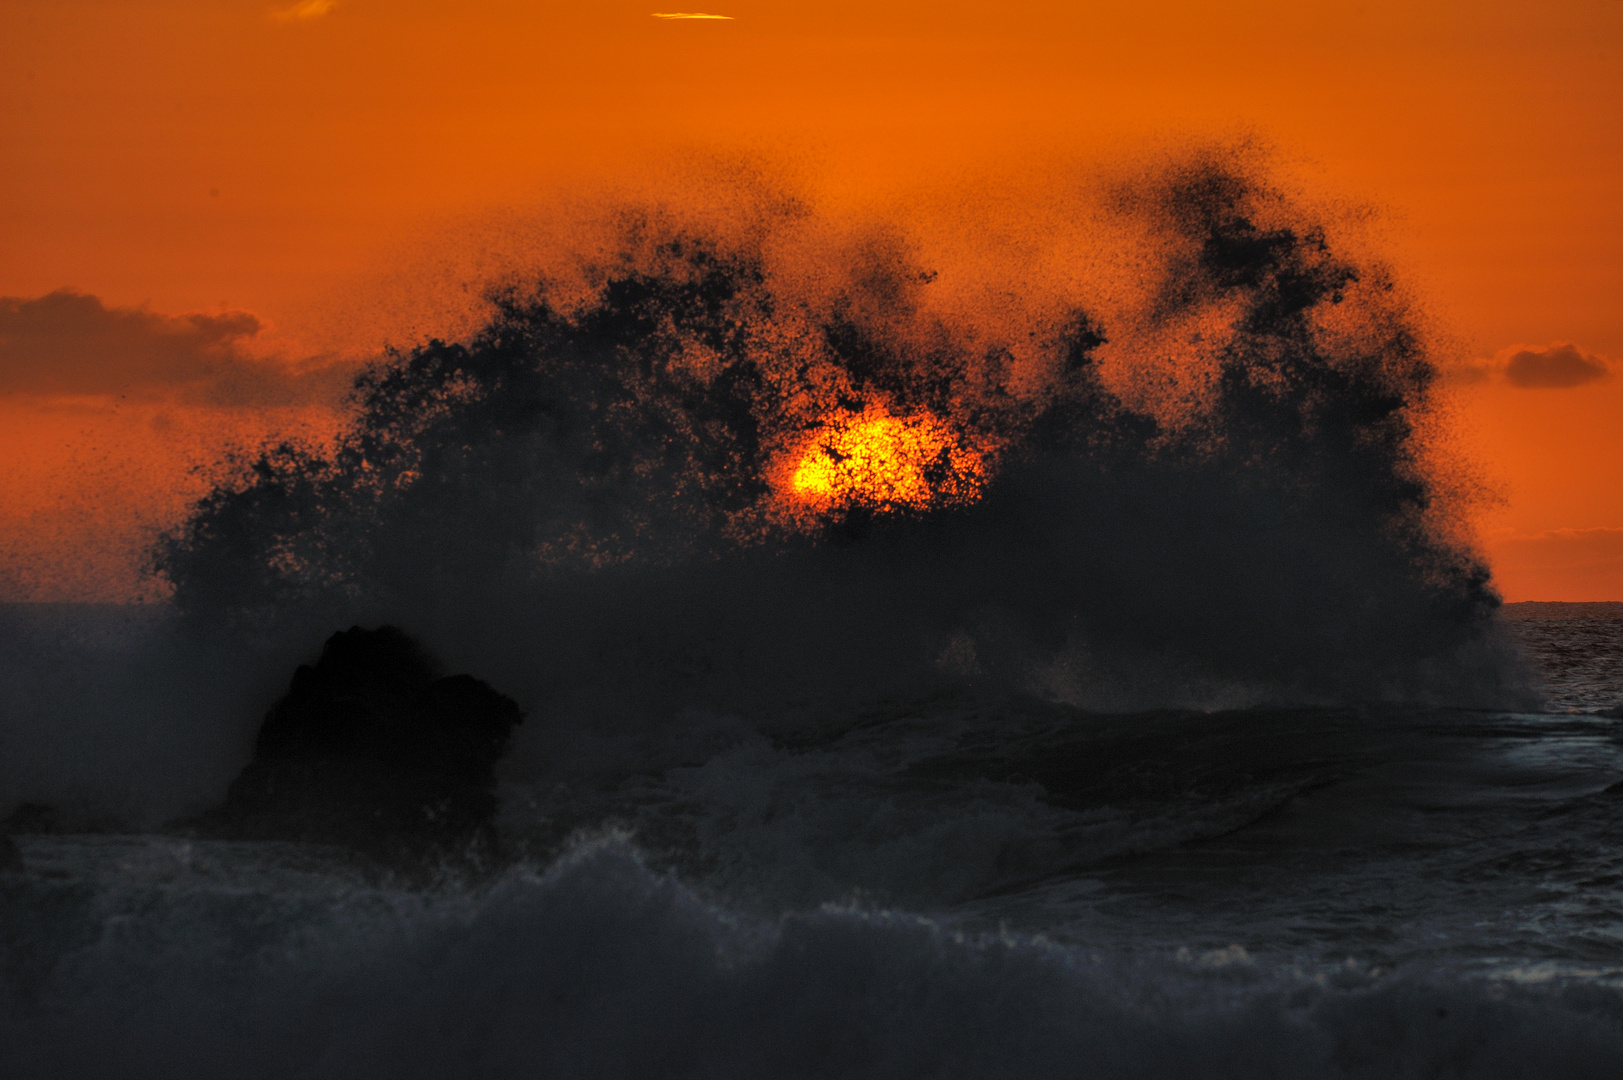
(689, 15)
(1556, 366)
(1568, 547)
(1560, 365)
(1468, 374)
(69, 343)
(304, 11)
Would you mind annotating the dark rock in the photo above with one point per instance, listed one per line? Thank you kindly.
(38, 819)
(370, 750)
(32, 818)
(11, 860)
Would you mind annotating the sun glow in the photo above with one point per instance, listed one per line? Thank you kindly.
(880, 460)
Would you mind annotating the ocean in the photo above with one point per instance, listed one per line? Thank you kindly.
(899, 700)
(946, 887)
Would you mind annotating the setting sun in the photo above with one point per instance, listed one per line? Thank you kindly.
(887, 461)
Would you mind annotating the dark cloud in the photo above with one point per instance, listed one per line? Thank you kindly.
(1556, 366)
(71, 343)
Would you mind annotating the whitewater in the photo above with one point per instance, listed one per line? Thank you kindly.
(1097, 683)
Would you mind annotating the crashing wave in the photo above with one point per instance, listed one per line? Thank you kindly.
(698, 479)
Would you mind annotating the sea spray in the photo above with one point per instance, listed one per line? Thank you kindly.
(701, 475)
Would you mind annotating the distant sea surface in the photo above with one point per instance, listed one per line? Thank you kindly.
(1576, 649)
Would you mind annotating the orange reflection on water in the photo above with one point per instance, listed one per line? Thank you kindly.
(880, 460)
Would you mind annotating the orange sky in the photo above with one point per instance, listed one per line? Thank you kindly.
(209, 156)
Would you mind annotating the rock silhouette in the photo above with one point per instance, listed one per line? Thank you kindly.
(30, 817)
(370, 750)
(11, 860)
